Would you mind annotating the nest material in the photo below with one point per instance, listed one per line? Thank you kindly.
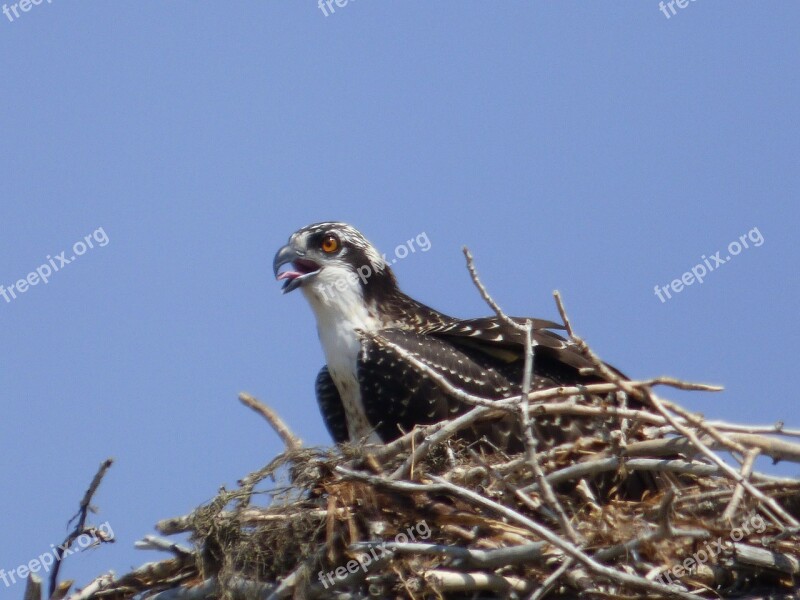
(461, 523)
(429, 516)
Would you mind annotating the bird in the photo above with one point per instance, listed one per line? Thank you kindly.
(369, 393)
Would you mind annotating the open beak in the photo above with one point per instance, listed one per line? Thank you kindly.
(302, 268)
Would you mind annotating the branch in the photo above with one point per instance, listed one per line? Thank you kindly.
(562, 311)
(474, 558)
(603, 465)
(730, 471)
(485, 294)
(442, 485)
(524, 407)
(80, 516)
(443, 580)
(291, 441)
(747, 471)
(33, 589)
(151, 542)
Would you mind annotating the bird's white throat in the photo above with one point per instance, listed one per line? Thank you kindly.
(337, 299)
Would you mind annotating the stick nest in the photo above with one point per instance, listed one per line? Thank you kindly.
(461, 523)
(430, 516)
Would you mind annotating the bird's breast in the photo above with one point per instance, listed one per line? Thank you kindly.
(342, 347)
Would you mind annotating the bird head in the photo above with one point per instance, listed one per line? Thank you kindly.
(332, 259)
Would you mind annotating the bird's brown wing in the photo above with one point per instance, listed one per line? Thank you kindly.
(397, 396)
(556, 357)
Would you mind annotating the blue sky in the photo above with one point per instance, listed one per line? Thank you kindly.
(598, 148)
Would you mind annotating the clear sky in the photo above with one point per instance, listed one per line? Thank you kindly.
(599, 148)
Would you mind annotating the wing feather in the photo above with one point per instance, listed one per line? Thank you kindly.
(397, 397)
(331, 407)
(559, 357)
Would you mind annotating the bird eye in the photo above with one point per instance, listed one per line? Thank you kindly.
(330, 244)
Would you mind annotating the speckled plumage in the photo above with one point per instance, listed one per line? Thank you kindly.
(482, 356)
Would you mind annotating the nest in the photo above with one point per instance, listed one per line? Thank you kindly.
(417, 519)
(430, 516)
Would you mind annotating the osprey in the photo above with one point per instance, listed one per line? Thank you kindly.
(366, 391)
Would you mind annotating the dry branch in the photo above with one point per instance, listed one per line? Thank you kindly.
(80, 525)
(291, 441)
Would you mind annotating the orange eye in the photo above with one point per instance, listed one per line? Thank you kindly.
(330, 244)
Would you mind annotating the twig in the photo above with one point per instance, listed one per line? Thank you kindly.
(80, 526)
(548, 583)
(747, 470)
(664, 531)
(787, 486)
(203, 591)
(524, 405)
(547, 493)
(441, 485)
(290, 583)
(33, 589)
(99, 583)
(440, 432)
(776, 449)
(249, 516)
(443, 433)
(291, 441)
(474, 558)
(238, 587)
(562, 311)
(170, 572)
(151, 542)
(555, 510)
(443, 580)
(763, 558)
(485, 294)
(530, 444)
(603, 465)
(654, 401)
(776, 429)
(698, 422)
(633, 581)
(730, 471)
(62, 590)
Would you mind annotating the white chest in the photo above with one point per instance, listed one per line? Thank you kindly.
(339, 314)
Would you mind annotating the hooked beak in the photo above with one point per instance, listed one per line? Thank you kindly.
(303, 268)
